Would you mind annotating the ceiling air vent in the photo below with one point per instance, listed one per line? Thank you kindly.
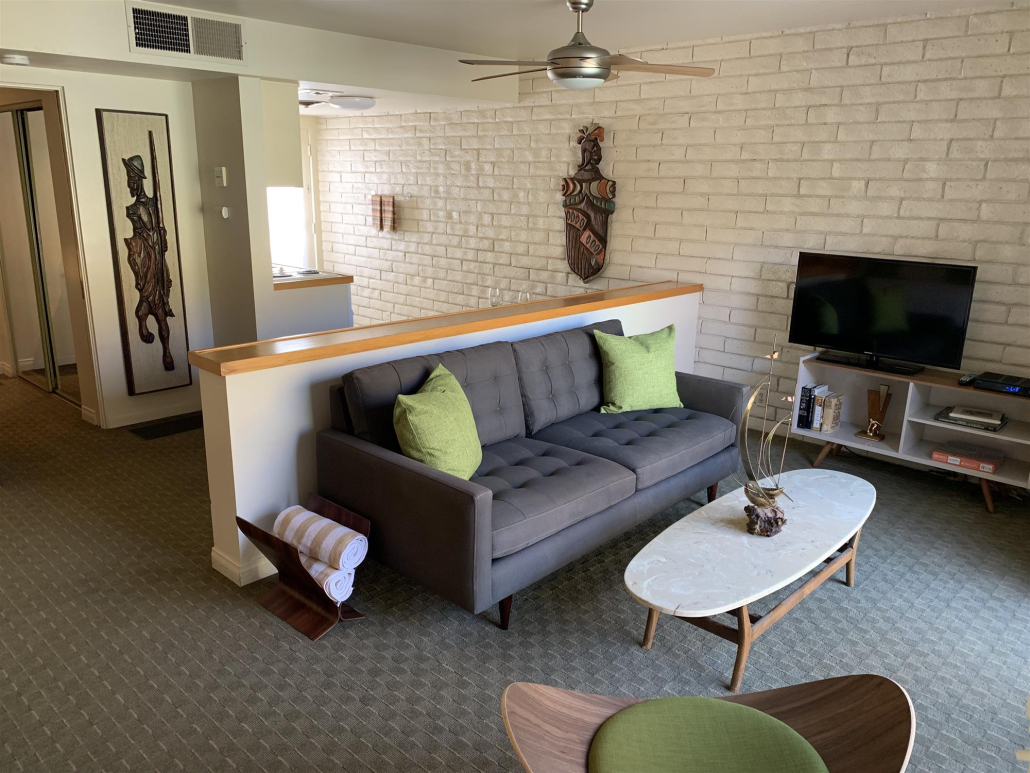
(217, 38)
(161, 29)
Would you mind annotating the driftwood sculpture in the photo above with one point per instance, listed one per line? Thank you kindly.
(764, 521)
(589, 200)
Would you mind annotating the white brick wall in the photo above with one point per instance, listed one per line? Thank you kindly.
(906, 137)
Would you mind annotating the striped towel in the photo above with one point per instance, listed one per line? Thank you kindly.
(337, 584)
(320, 538)
(383, 214)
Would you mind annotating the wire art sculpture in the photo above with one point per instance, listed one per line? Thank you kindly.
(761, 480)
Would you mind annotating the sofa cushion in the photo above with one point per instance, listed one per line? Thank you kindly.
(539, 489)
(486, 373)
(435, 426)
(655, 444)
(639, 371)
(560, 374)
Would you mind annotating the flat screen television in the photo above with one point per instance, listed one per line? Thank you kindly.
(883, 308)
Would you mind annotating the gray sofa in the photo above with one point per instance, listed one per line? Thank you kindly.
(558, 478)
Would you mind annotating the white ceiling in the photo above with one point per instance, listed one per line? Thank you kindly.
(531, 28)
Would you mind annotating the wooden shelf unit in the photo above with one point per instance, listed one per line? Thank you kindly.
(912, 433)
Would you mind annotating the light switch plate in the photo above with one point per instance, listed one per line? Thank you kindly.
(220, 177)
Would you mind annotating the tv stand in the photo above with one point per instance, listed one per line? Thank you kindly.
(911, 431)
(870, 362)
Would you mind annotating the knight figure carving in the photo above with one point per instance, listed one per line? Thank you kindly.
(588, 198)
(147, 247)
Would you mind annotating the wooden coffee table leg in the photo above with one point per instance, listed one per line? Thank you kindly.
(854, 557)
(744, 639)
(649, 629)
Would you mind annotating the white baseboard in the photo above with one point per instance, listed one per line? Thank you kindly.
(88, 414)
(7, 369)
(244, 574)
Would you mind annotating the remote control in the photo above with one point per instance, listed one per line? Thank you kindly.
(968, 379)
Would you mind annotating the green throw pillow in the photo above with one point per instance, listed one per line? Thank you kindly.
(639, 371)
(435, 425)
(699, 735)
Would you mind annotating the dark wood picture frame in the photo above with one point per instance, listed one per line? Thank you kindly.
(117, 252)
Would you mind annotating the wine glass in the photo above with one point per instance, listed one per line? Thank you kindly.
(495, 296)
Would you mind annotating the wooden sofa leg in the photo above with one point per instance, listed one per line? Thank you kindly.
(505, 605)
(713, 492)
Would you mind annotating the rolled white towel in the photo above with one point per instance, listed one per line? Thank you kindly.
(337, 583)
(321, 538)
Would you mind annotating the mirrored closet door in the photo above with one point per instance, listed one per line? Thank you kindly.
(35, 318)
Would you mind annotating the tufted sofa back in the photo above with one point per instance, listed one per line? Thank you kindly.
(486, 373)
(560, 374)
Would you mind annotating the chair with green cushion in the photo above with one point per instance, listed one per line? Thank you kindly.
(850, 724)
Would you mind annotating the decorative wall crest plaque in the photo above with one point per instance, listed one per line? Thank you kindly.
(589, 200)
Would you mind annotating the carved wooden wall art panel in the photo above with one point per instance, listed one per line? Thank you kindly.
(589, 200)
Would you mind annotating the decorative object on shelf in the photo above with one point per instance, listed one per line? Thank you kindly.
(761, 496)
(879, 402)
(135, 149)
(384, 217)
(588, 198)
(764, 521)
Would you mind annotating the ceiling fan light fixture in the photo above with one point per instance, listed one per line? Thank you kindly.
(576, 82)
(353, 103)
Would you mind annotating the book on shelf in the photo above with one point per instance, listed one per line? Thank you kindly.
(818, 411)
(815, 410)
(947, 415)
(976, 414)
(802, 407)
(806, 408)
(968, 456)
(833, 404)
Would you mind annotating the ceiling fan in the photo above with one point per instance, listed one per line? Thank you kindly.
(580, 65)
(312, 97)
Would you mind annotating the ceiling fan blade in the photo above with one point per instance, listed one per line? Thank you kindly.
(629, 64)
(612, 59)
(667, 69)
(509, 62)
(506, 74)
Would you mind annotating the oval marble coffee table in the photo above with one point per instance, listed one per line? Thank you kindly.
(707, 563)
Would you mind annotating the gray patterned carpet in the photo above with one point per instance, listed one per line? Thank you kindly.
(122, 650)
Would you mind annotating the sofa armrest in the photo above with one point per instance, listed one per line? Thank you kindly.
(713, 395)
(428, 525)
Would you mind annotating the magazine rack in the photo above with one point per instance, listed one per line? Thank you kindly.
(911, 433)
(296, 598)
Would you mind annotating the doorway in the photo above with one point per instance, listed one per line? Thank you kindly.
(34, 289)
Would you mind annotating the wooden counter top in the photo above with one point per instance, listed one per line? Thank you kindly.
(243, 358)
(298, 281)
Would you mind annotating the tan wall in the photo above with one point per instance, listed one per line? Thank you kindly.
(900, 137)
(83, 94)
(281, 122)
(217, 117)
